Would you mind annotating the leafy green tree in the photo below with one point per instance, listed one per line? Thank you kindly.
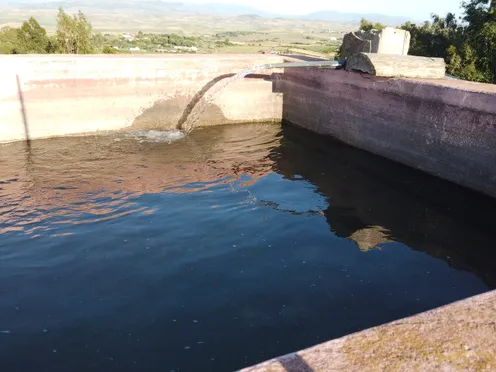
(99, 41)
(8, 40)
(74, 34)
(65, 32)
(32, 38)
(84, 37)
(109, 50)
(52, 46)
(469, 47)
(366, 25)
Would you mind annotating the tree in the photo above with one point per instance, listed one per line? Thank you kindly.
(469, 47)
(109, 50)
(99, 41)
(480, 16)
(366, 25)
(31, 38)
(74, 33)
(65, 32)
(84, 37)
(8, 40)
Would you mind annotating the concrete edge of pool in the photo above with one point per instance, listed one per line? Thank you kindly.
(459, 336)
(444, 127)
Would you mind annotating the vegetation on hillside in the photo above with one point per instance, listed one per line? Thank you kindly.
(32, 38)
(467, 43)
(74, 35)
(226, 34)
(366, 25)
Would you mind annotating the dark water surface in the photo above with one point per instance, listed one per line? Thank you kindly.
(220, 250)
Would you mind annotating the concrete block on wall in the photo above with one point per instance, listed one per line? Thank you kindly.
(387, 41)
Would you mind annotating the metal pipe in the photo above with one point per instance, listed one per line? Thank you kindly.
(319, 64)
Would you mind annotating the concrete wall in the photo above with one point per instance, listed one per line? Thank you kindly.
(394, 41)
(444, 127)
(53, 95)
(390, 40)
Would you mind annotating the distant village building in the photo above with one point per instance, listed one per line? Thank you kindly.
(134, 49)
(333, 39)
(185, 48)
(128, 37)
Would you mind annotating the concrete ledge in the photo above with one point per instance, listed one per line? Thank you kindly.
(388, 65)
(55, 95)
(456, 337)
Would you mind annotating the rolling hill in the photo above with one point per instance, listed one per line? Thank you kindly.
(333, 16)
(180, 17)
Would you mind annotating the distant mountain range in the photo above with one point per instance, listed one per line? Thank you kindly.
(162, 7)
(333, 16)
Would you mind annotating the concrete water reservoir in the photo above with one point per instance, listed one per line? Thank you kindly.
(239, 243)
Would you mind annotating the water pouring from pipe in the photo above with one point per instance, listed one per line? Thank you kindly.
(194, 116)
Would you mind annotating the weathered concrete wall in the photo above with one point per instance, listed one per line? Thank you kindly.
(444, 127)
(44, 96)
(394, 41)
(387, 41)
(397, 66)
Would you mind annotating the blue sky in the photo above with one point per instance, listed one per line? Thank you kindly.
(417, 9)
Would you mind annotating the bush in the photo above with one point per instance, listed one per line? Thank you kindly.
(109, 50)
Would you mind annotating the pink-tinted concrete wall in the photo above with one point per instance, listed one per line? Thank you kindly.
(444, 127)
(53, 95)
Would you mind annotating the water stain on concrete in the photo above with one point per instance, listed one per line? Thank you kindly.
(166, 114)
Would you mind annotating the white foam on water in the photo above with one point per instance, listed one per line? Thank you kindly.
(156, 135)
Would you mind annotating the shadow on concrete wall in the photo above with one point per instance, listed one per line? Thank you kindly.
(198, 97)
(294, 363)
(23, 112)
(201, 93)
(173, 113)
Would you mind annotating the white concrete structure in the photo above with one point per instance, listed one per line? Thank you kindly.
(393, 41)
(387, 41)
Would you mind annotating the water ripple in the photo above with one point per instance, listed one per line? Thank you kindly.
(86, 180)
